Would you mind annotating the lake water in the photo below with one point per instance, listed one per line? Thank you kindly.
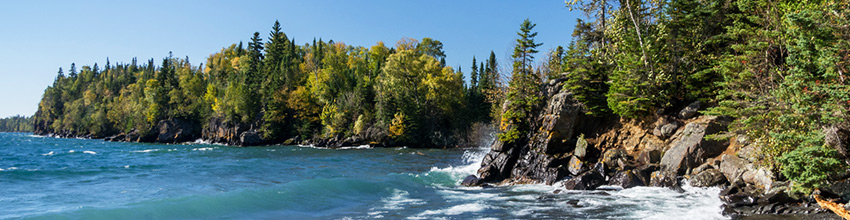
(51, 178)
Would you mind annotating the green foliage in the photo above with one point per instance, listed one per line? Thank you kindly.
(524, 94)
(16, 123)
(810, 166)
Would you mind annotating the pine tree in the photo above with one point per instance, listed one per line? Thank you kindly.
(524, 88)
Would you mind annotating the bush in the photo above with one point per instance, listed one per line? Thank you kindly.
(810, 167)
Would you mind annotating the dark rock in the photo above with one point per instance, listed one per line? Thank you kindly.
(176, 131)
(542, 158)
(610, 157)
(776, 198)
(625, 164)
(839, 188)
(707, 178)
(574, 203)
(472, 180)
(649, 156)
(644, 172)
(665, 127)
(663, 178)
(689, 111)
(497, 166)
(739, 199)
(250, 138)
(587, 181)
(576, 166)
(626, 179)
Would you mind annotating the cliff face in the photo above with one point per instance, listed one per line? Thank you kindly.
(586, 152)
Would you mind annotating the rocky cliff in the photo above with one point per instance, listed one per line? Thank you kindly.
(665, 150)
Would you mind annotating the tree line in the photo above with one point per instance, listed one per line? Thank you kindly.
(17, 123)
(280, 89)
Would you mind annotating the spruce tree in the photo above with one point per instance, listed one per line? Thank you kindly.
(524, 88)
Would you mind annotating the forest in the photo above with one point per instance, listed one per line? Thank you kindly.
(281, 90)
(16, 123)
(777, 68)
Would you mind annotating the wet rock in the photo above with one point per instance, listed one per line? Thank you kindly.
(644, 172)
(587, 181)
(663, 178)
(496, 166)
(471, 181)
(707, 178)
(250, 138)
(689, 111)
(176, 131)
(541, 158)
(574, 203)
(626, 179)
(739, 199)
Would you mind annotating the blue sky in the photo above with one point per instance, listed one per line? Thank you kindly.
(38, 37)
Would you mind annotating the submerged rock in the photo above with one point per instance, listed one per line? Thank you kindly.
(471, 181)
(587, 181)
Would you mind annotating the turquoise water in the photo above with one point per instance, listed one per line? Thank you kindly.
(51, 178)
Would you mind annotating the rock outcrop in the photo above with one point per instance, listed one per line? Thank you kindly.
(585, 153)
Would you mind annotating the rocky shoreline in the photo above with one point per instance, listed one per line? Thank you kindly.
(666, 150)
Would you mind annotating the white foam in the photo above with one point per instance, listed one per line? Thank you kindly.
(202, 149)
(456, 210)
(126, 166)
(90, 152)
(399, 200)
(365, 146)
(145, 151)
(71, 151)
(48, 154)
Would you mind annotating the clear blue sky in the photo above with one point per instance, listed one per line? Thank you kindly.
(38, 37)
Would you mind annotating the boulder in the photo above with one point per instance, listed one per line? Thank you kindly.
(176, 131)
(838, 137)
(250, 138)
(665, 127)
(689, 111)
(472, 180)
(586, 181)
(581, 147)
(690, 147)
(733, 168)
(760, 178)
(626, 179)
(649, 156)
(496, 166)
(610, 157)
(839, 188)
(663, 178)
(644, 172)
(576, 166)
(708, 178)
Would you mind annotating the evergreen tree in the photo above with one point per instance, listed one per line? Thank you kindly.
(524, 88)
